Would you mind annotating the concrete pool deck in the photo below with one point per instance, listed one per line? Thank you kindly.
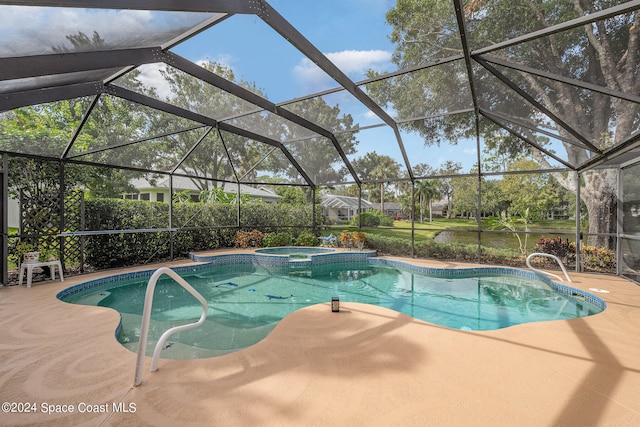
(363, 366)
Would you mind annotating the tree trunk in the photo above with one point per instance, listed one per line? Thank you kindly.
(382, 197)
(599, 194)
(602, 210)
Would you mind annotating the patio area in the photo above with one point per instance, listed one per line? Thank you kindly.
(365, 365)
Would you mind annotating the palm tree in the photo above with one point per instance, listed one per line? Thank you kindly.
(427, 190)
(385, 168)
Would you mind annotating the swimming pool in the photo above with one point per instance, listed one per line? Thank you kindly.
(246, 300)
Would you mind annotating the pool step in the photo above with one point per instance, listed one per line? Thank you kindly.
(299, 263)
(300, 267)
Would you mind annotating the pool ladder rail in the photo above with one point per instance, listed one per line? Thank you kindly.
(146, 316)
(564, 270)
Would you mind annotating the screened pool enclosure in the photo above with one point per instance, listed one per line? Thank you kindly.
(483, 113)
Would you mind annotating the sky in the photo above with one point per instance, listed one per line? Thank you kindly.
(351, 33)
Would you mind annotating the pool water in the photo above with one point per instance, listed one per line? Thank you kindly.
(246, 302)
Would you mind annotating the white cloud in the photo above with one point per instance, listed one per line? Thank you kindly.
(354, 63)
(473, 150)
(150, 76)
(359, 61)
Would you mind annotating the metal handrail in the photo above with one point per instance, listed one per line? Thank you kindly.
(564, 270)
(146, 316)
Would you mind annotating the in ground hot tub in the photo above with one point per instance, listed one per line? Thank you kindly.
(299, 252)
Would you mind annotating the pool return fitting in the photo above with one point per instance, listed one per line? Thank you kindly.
(146, 316)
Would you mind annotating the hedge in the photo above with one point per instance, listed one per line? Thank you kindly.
(445, 251)
(202, 226)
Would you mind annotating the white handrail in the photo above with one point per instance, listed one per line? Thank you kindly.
(564, 270)
(146, 316)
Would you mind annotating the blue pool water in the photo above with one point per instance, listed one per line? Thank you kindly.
(247, 301)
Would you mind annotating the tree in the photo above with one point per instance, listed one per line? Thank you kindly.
(292, 195)
(50, 127)
(534, 193)
(493, 199)
(317, 155)
(210, 158)
(464, 200)
(605, 53)
(506, 222)
(446, 186)
(378, 167)
(427, 191)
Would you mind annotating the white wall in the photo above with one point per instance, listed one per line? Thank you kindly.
(14, 213)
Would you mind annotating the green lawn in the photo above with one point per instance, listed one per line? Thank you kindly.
(429, 230)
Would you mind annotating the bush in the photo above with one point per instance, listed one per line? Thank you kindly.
(306, 238)
(202, 226)
(372, 219)
(351, 239)
(366, 219)
(445, 251)
(273, 218)
(598, 259)
(390, 245)
(277, 239)
(386, 221)
(117, 250)
(563, 249)
(245, 239)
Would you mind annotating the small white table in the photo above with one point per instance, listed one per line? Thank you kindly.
(28, 267)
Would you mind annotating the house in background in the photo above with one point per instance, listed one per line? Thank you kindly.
(342, 208)
(159, 192)
(392, 209)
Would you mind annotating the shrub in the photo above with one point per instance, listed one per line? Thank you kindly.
(277, 239)
(598, 259)
(272, 218)
(372, 219)
(366, 219)
(563, 249)
(446, 251)
(306, 238)
(245, 239)
(117, 250)
(202, 226)
(386, 221)
(350, 239)
(390, 245)
(359, 239)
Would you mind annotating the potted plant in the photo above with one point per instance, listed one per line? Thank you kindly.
(26, 252)
(48, 254)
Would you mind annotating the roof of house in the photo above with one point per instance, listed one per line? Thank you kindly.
(342, 202)
(182, 183)
(387, 206)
